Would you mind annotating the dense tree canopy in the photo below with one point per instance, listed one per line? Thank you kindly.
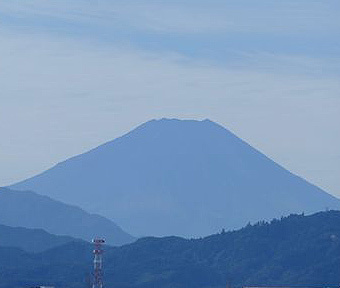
(296, 250)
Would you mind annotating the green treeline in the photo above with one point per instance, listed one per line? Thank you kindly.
(296, 250)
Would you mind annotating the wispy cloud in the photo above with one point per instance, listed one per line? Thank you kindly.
(225, 33)
(191, 16)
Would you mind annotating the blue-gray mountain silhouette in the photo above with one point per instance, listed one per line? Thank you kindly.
(31, 240)
(30, 210)
(179, 177)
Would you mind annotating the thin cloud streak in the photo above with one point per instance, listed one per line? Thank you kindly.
(190, 16)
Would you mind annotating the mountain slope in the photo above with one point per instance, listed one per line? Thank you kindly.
(173, 177)
(30, 210)
(295, 251)
(31, 240)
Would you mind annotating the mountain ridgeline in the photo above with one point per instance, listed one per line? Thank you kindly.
(179, 177)
(31, 240)
(30, 210)
(297, 250)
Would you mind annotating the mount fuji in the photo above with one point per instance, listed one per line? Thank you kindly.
(179, 177)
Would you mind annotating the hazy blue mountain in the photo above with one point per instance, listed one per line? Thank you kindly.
(176, 177)
(298, 251)
(30, 210)
(31, 240)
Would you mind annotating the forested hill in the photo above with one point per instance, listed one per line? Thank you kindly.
(297, 250)
(31, 240)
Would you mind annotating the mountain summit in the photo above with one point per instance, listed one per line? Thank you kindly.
(179, 177)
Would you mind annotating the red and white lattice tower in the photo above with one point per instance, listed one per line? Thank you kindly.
(98, 263)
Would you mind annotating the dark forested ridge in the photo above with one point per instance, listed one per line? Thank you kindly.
(297, 250)
(31, 240)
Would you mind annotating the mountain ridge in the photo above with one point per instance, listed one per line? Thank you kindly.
(30, 210)
(31, 240)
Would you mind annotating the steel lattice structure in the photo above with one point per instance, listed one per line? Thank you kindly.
(98, 263)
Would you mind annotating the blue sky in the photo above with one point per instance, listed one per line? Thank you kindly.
(77, 73)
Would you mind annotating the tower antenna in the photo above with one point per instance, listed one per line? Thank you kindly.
(98, 263)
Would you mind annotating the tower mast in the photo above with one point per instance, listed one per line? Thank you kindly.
(98, 263)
